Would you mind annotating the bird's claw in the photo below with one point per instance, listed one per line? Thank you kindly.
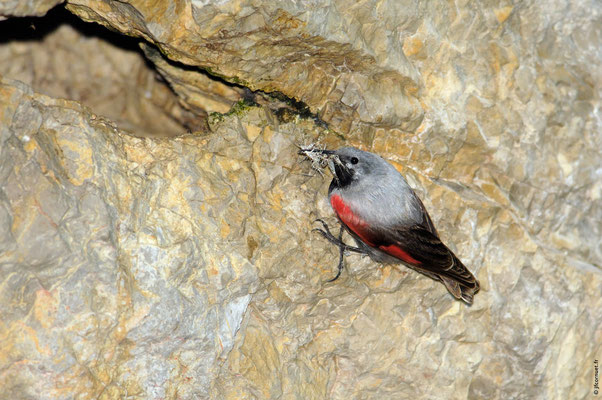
(327, 234)
(332, 239)
(337, 242)
(324, 225)
(340, 266)
(337, 275)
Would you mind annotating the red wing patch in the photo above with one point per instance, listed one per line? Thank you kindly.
(398, 252)
(352, 221)
(360, 228)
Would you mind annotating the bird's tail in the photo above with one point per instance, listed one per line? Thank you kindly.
(460, 291)
(462, 284)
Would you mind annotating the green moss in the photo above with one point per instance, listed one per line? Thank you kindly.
(239, 108)
(215, 118)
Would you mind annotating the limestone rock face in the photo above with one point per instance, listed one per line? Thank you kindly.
(62, 56)
(306, 52)
(23, 8)
(185, 267)
(114, 283)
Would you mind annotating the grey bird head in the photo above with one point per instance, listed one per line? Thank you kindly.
(350, 165)
(372, 185)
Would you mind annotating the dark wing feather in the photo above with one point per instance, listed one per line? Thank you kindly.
(418, 246)
(427, 222)
(434, 256)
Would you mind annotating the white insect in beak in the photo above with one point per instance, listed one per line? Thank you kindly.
(320, 158)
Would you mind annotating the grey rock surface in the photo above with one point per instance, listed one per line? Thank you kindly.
(64, 57)
(25, 8)
(111, 287)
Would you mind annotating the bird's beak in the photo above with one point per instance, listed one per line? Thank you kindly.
(322, 158)
(304, 152)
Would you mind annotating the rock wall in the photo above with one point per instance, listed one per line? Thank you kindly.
(184, 266)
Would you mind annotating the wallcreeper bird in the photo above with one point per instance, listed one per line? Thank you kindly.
(375, 204)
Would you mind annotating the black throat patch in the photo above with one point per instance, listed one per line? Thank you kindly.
(343, 177)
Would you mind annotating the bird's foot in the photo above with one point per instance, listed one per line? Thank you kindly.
(339, 243)
(332, 239)
(341, 263)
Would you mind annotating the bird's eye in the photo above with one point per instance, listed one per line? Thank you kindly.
(354, 160)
